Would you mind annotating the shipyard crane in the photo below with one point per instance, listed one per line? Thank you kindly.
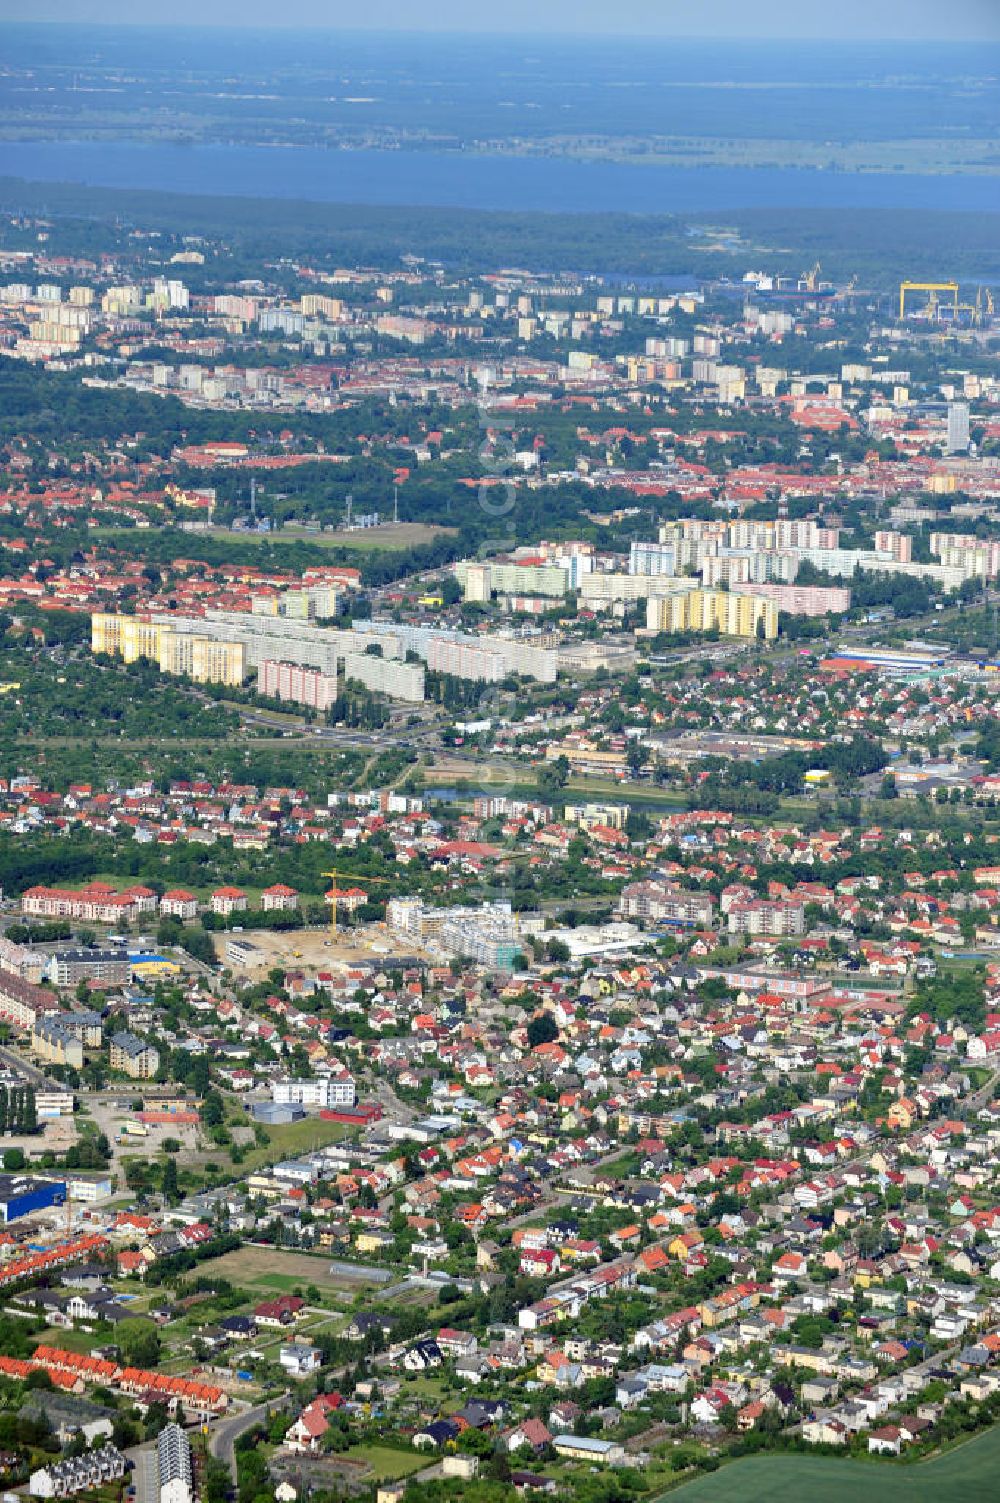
(932, 289)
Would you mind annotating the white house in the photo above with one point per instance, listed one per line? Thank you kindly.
(300, 1358)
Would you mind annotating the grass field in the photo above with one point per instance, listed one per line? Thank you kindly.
(387, 1465)
(390, 537)
(290, 1138)
(271, 1269)
(69, 1341)
(968, 1474)
(283, 1282)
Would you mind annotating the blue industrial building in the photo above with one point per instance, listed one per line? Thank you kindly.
(20, 1194)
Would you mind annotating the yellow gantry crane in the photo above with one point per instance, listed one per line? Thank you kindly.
(932, 289)
(332, 894)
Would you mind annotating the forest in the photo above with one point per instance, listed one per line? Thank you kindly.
(879, 245)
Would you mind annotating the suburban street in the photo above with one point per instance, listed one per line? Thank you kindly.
(225, 1432)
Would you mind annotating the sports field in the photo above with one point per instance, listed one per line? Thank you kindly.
(968, 1474)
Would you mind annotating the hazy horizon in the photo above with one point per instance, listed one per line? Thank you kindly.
(720, 20)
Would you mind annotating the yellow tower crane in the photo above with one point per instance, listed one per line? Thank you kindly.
(354, 877)
(333, 874)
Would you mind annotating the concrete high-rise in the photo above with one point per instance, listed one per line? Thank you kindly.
(958, 427)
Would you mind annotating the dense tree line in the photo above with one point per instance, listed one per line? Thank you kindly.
(17, 1110)
(871, 242)
(869, 591)
(105, 698)
(846, 760)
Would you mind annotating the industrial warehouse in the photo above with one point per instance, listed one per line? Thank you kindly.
(21, 1194)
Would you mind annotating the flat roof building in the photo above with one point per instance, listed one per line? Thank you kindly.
(173, 1463)
(21, 1194)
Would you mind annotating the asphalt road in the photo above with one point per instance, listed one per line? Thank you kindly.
(986, 1093)
(224, 1434)
(20, 1063)
(146, 1477)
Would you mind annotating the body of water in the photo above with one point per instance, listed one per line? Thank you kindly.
(466, 180)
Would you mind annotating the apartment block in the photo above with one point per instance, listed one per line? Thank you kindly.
(597, 816)
(979, 556)
(51, 1042)
(174, 1472)
(661, 902)
(22, 1003)
(325, 1092)
(897, 545)
(133, 1055)
(69, 967)
(298, 685)
(777, 920)
(402, 681)
(805, 600)
(486, 659)
(200, 657)
(95, 904)
(651, 560)
(732, 615)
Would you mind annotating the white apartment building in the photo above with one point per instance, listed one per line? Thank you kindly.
(324, 1093)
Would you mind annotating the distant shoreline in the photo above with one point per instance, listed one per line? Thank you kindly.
(913, 157)
(503, 182)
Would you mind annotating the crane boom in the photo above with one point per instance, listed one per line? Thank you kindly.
(931, 288)
(332, 895)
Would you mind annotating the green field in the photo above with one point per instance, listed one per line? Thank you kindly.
(386, 1464)
(390, 537)
(257, 1269)
(284, 1282)
(968, 1474)
(289, 1138)
(69, 1340)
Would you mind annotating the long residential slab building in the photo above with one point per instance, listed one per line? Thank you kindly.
(223, 646)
